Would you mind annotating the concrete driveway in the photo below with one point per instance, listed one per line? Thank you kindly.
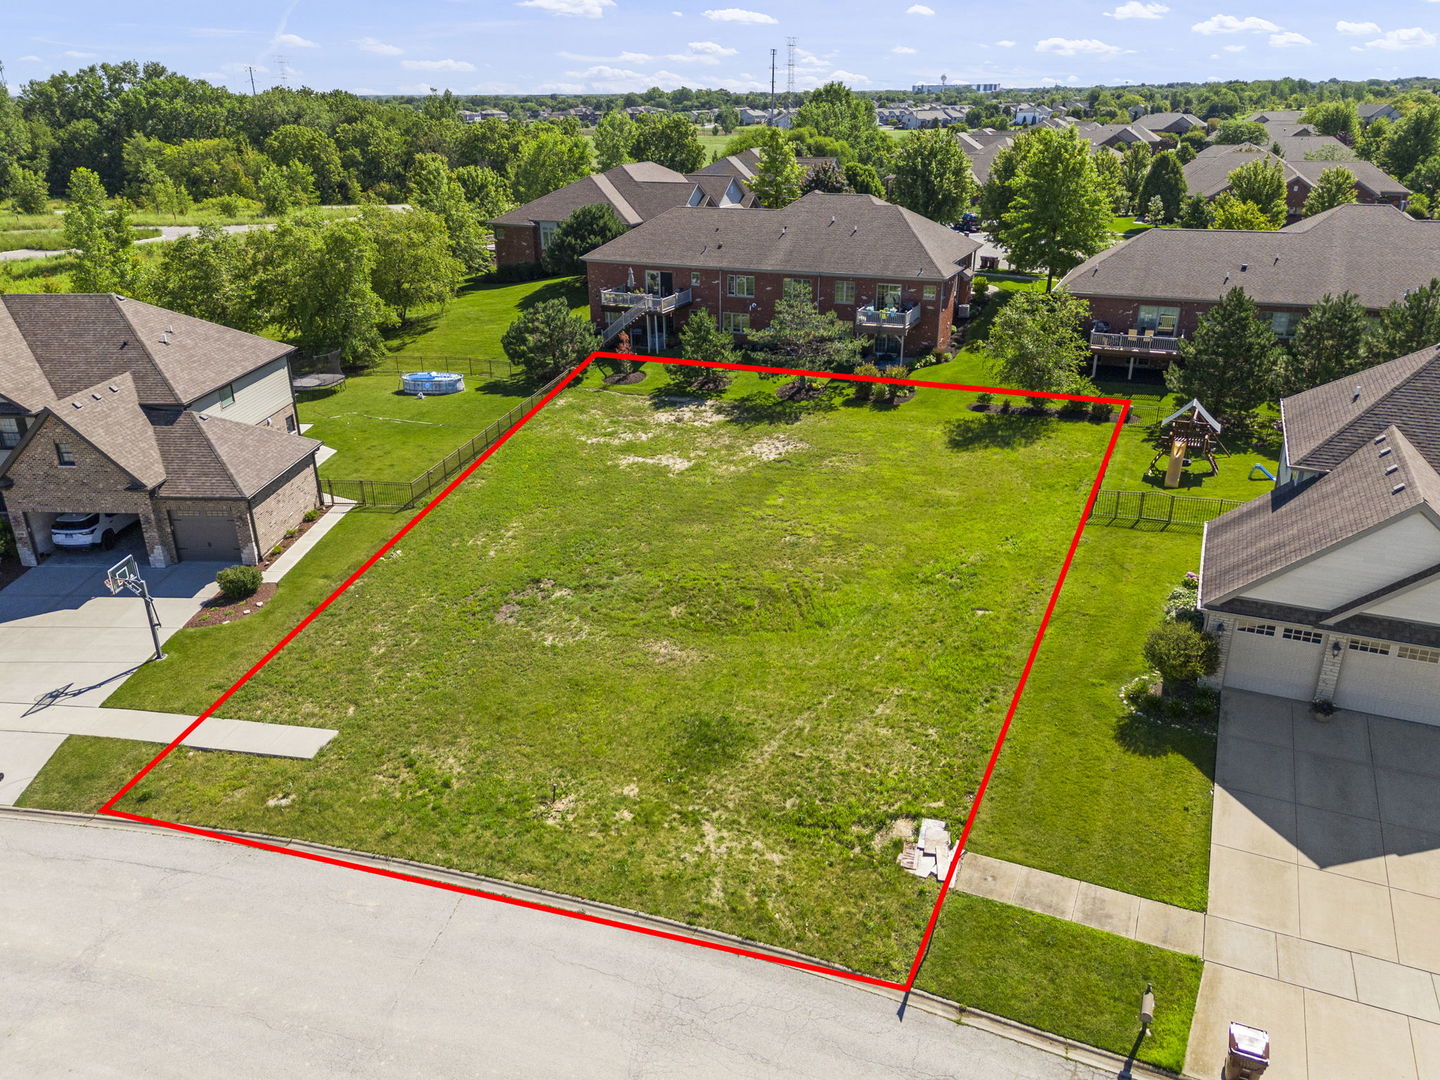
(1324, 920)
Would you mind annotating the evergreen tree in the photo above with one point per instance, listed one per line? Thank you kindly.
(1059, 216)
(1334, 187)
(933, 176)
(826, 177)
(1232, 361)
(702, 339)
(778, 176)
(614, 136)
(546, 340)
(579, 234)
(1195, 213)
(1166, 179)
(100, 232)
(1329, 344)
(1407, 325)
(801, 336)
(1262, 184)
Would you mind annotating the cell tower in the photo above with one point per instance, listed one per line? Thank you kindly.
(282, 70)
(790, 72)
(772, 86)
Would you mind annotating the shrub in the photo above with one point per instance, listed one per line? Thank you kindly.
(865, 391)
(1181, 653)
(1101, 411)
(889, 391)
(984, 400)
(1180, 607)
(238, 582)
(312, 513)
(1073, 409)
(290, 534)
(980, 286)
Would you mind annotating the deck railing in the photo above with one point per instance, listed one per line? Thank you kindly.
(1135, 343)
(870, 318)
(653, 304)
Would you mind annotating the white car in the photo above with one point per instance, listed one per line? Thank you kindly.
(89, 530)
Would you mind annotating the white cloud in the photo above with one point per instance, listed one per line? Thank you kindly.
(903, 50)
(709, 48)
(1229, 24)
(678, 14)
(1076, 47)
(623, 58)
(919, 9)
(1004, 44)
(76, 54)
(603, 77)
(1234, 48)
(374, 45)
(1287, 39)
(584, 9)
(847, 77)
(294, 41)
(30, 60)
(1395, 40)
(1357, 27)
(739, 15)
(437, 65)
(1136, 10)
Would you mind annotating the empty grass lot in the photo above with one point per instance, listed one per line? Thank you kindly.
(702, 667)
(472, 324)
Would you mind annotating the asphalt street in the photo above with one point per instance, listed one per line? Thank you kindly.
(130, 952)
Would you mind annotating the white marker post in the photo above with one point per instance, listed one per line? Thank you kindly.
(125, 575)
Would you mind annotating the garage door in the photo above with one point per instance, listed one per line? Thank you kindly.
(1272, 658)
(209, 538)
(1390, 680)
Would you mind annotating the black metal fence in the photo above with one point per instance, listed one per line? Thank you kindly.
(1157, 507)
(401, 495)
(461, 365)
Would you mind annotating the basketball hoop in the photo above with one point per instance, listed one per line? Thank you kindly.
(121, 576)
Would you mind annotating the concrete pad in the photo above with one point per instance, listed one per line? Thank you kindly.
(1106, 909)
(1425, 1040)
(1344, 787)
(1316, 967)
(1228, 994)
(23, 644)
(1417, 929)
(1341, 844)
(1254, 890)
(1254, 823)
(1169, 927)
(1408, 798)
(994, 879)
(1257, 717)
(1412, 859)
(1346, 1038)
(1239, 946)
(22, 755)
(1346, 913)
(1396, 988)
(1049, 894)
(1400, 744)
(1247, 765)
(240, 736)
(298, 550)
(83, 682)
(1346, 737)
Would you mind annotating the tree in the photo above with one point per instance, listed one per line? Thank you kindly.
(163, 195)
(998, 191)
(778, 175)
(1329, 344)
(1235, 132)
(836, 112)
(1166, 179)
(1374, 140)
(801, 336)
(1110, 175)
(100, 233)
(208, 275)
(1262, 184)
(667, 139)
(1416, 137)
(1059, 216)
(485, 190)
(863, 179)
(614, 136)
(1035, 343)
(1338, 119)
(579, 234)
(287, 187)
(826, 177)
(416, 268)
(545, 340)
(28, 193)
(1155, 210)
(702, 339)
(1195, 213)
(1334, 187)
(547, 159)
(1425, 177)
(433, 187)
(727, 118)
(1231, 362)
(1179, 653)
(933, 175)
(1407, 325)
(1228, 212)
(1134, 167)
(314, 148)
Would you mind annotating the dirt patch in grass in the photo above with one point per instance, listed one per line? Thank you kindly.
(220, 609)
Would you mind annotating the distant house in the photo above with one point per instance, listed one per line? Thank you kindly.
(1148, 293)
(1328, 586)
(1371, 112)
(1170, 123)
(112, 406)
(1277, 131)
(1117, 136)
(1026, 115)
(475, 116)
(893, 275)
(1277, 116)
(636, 192)
(1208, 176)
(1306, 147)
(750, 116)
(742, 166)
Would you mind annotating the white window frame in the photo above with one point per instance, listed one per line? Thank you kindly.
(1154, 316)
(845, 291)
(547, 233)
(742, 279)
(885, 289)
(735, 322)
(1417, 652)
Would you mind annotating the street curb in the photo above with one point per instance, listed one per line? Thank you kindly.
(920, 1000)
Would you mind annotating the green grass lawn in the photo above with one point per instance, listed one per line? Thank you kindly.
(471, 325)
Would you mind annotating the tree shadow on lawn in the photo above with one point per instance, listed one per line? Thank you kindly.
(1259, 441)
(571, 290)
(1153, 737)
(992, 431)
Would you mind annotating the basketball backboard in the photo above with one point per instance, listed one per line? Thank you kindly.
(126, 570)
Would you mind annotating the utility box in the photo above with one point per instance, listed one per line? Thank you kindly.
(1249, 1053)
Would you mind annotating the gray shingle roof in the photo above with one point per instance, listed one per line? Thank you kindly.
(857, 235)
(214, 458)
(637, 192)
(1292, 524)
(1276, 116)
(109, 417)
(1376, 252)
(1209, 173)
(1294, 148)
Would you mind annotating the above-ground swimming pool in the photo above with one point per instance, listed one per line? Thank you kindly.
(432, 382)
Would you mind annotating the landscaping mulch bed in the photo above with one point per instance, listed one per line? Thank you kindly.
(1053, 414)
(627, 379)
(801, 390)
(220, 609)
(284, 545)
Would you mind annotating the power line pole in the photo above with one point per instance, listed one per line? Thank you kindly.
(251, 69)
(282, 70)
(772, 86)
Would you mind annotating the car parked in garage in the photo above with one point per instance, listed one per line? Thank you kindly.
(89, 530)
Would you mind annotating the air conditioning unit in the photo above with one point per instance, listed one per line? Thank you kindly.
(962, 311)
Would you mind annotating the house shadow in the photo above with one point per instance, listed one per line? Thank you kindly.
(996, 431)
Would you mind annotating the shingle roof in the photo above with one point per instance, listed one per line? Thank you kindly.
(1157, 121)
(1374, 251)
(215, 458)
(637, 191)
(109, 417)
(741, 165)
(857, 235)
(1276, 116)
(716, 187)
(1326, 425)
(1208, 174)
(1295, 147)
(79, 340)
(1295, 523)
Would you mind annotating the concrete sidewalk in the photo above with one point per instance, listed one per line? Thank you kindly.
(216, 733)
(298, 550)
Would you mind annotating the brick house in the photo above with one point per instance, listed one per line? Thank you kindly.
(1147, 294)
(110, 405)
(895, 276)
(1208, 175)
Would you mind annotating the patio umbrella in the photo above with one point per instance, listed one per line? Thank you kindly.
(630, 278)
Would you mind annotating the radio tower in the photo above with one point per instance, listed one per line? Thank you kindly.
(790, 72)
(772, 86)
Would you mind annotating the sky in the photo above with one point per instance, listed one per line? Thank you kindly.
(614, 46)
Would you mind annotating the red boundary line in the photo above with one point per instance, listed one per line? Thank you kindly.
(109, 808)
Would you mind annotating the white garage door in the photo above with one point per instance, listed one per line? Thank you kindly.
(1390, 680)
(1272, 658)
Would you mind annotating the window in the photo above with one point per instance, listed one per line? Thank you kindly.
(10, 432)
(844, 292)
(887, 344)
(64, 455)
(290, 422)
(887, 295)
(802, 285)
(735, 322)
(741, 285)
(227, 396)
(1162, 320)
(547, 231)
(1361, 645)
(1263, 629)
(929, 292)
(1309, 637)
(1414, 652)
(694, 279)
(1284, 323)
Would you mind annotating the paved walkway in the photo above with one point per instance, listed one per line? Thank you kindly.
(1324, 924)
(298, 550)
